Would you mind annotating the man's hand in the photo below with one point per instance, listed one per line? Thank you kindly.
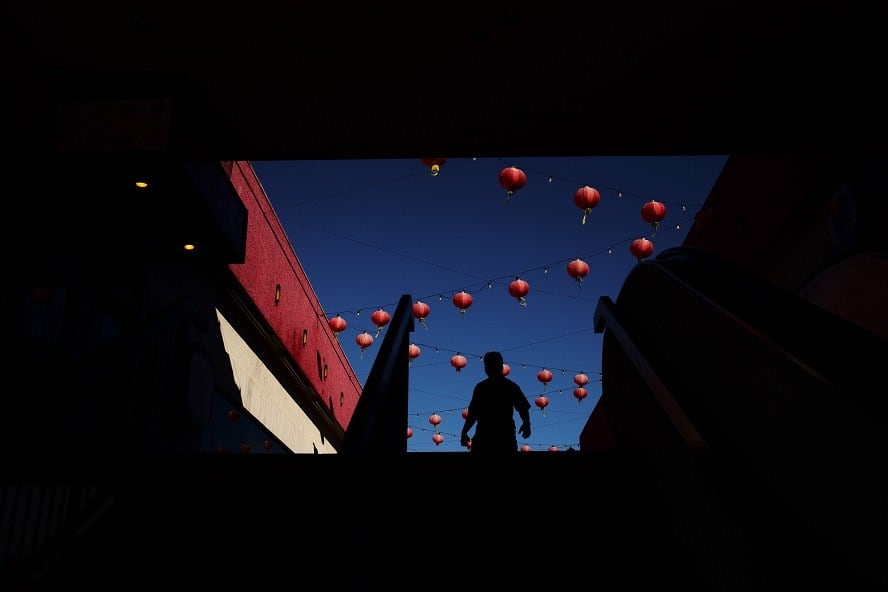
(525, 430)
(464, 439)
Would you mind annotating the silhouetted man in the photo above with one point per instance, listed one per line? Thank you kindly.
(493, 401)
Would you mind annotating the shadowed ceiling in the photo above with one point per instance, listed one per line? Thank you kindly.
(269, 80)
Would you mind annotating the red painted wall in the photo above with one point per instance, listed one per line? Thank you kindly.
(767, 215)
(270, 261)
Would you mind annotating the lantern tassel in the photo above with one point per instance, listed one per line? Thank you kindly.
(423, 323)
(585, 213)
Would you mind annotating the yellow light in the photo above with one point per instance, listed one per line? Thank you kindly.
(188, 247)
(142, 184)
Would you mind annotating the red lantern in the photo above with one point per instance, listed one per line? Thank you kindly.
(553, 448)
(653, 212)
(519, 289)
(580, 393)
(413, 351)
(506, 369)
(586, 198)
(544, 376)
(469, 444)
(581, 379)
(541, 401)
(267, 444)
(244, 448)
(641, 248)
(380, 318)
(512, 179)
(465, 413)
(462, 300)
(434, 164)
(458, 361)
(234, 415)
(337, 325)
(578, 269)
(364, 340)
(437, 439)
(421, 310)
(409, 432)
(525, 448)
(435, 419)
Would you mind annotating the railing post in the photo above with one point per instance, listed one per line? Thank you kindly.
(379, 424)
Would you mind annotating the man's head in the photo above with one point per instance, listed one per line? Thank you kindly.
(493, 363)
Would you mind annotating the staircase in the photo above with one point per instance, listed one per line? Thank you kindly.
(745, 452)
(421, 521)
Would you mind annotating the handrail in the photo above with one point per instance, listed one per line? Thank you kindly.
(606, 317)
(848, 356)
(378, 424)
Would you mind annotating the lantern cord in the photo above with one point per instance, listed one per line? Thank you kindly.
(485, 282)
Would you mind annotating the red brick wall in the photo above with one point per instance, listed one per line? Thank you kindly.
(270, 261)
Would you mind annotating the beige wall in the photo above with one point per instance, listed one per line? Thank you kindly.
(264, 397)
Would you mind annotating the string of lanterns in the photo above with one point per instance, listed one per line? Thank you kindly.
(512, 179)
(439, 437)
(577, 268)
(518, 288)
(459, 360)
(541, 401)
(544, 376)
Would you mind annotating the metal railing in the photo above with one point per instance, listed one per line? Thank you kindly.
(379, 424)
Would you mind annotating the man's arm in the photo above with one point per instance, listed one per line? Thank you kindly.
(464, 436)
(467, 425)
(524, 412)
(525, 416)
(525, 424)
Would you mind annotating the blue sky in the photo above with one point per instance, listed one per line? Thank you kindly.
(368, 231)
